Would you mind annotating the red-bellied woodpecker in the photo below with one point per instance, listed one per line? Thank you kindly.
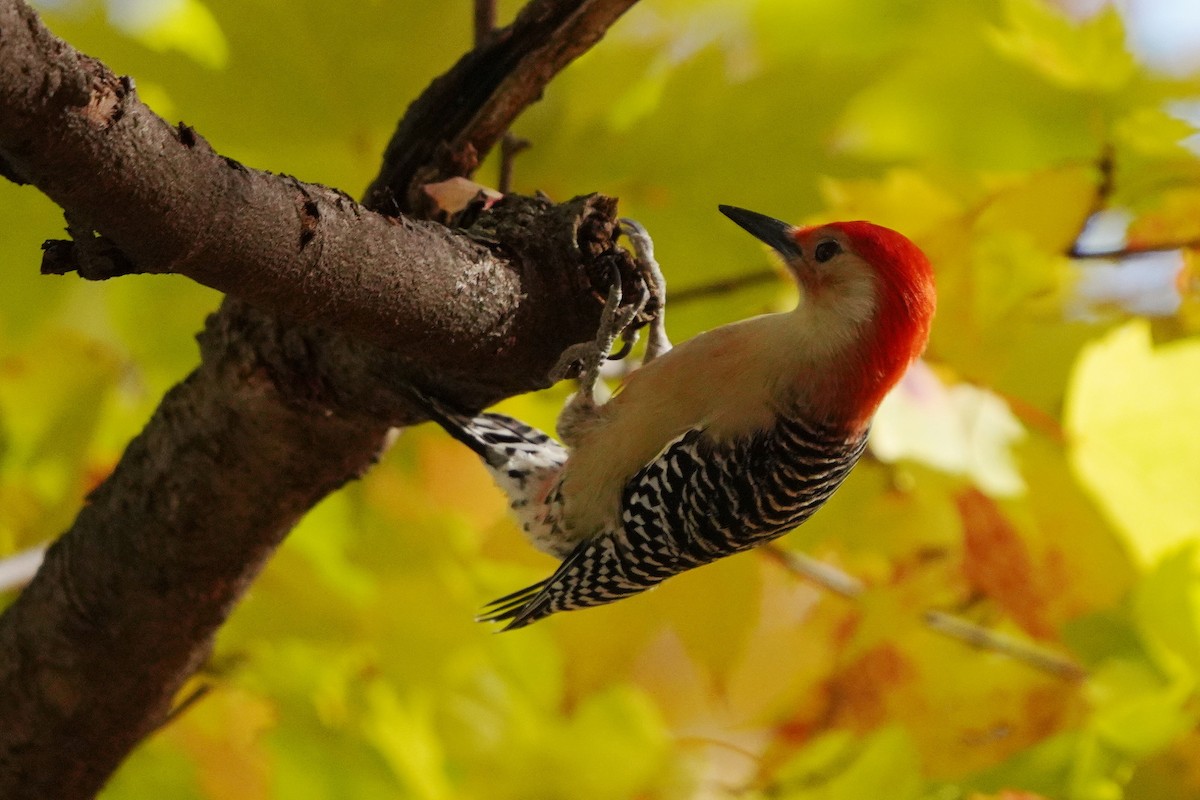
(723, 443)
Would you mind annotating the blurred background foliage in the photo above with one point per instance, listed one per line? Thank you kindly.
(1037, 475)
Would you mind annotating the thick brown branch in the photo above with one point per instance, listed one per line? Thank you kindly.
(128, 600)
(462, 115)
(303, 250)
(282, 409)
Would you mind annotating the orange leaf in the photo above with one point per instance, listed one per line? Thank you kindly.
(997, 562)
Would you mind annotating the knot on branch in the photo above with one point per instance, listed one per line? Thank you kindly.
(92, 256)
(576, 239)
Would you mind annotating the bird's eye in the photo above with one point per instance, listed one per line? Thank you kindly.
(826, 250)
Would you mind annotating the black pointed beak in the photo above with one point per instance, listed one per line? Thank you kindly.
(766, 229)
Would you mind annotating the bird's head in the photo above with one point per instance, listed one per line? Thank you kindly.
(868, 301)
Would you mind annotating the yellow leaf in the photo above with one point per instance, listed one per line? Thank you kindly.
(1086, 55)
(1153, 130)
(1174, 220)
(1048, 207)
(184, 25)
(1131, 412)
(403, 731)
(904, 199)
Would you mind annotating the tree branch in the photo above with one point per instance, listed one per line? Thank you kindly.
(302, 250)
(462, 114)
(295, 390)
(127, 603)
(1132, 251)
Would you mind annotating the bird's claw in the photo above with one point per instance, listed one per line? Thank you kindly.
(615, 322)
(655, 283)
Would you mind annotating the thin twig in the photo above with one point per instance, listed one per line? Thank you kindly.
(195, 696)
(1135, 250)
(455, 123)
(1106, 165)
(510, 147)
(724, 286)
(986, 639)
(819, 572)
(485, 21)
(845, 585)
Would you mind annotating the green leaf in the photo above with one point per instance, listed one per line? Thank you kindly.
(838, 767)
(159, 768)
(1137, 713)
(1167, 607)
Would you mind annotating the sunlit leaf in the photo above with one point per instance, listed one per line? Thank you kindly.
(184, 25)
(1048, 208)
(958, 429)
(1078, 55)
(1126, 414)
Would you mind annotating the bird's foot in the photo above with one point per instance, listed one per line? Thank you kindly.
(614, 320)
(583, 407)
(656, 284)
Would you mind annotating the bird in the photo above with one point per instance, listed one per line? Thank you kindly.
(715, 446)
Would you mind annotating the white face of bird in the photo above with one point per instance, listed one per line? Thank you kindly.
(831, 274)
(867, 306)
(838, 286)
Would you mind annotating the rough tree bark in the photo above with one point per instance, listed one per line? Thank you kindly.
(330, 306)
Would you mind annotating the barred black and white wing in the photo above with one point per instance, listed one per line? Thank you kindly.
(696, 502)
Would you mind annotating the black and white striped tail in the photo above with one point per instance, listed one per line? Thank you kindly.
(524, 462)
(495, 438)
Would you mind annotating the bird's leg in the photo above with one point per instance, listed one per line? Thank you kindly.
(582, 407)
(591, 355)
(652, 277)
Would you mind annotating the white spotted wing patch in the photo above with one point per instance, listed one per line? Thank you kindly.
(524, 462)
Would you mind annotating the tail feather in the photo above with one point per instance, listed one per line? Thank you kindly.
(454, 422)
(511, 606)
(524, 462)
(495, 438)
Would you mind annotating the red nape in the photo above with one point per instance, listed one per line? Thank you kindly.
(907, 302)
